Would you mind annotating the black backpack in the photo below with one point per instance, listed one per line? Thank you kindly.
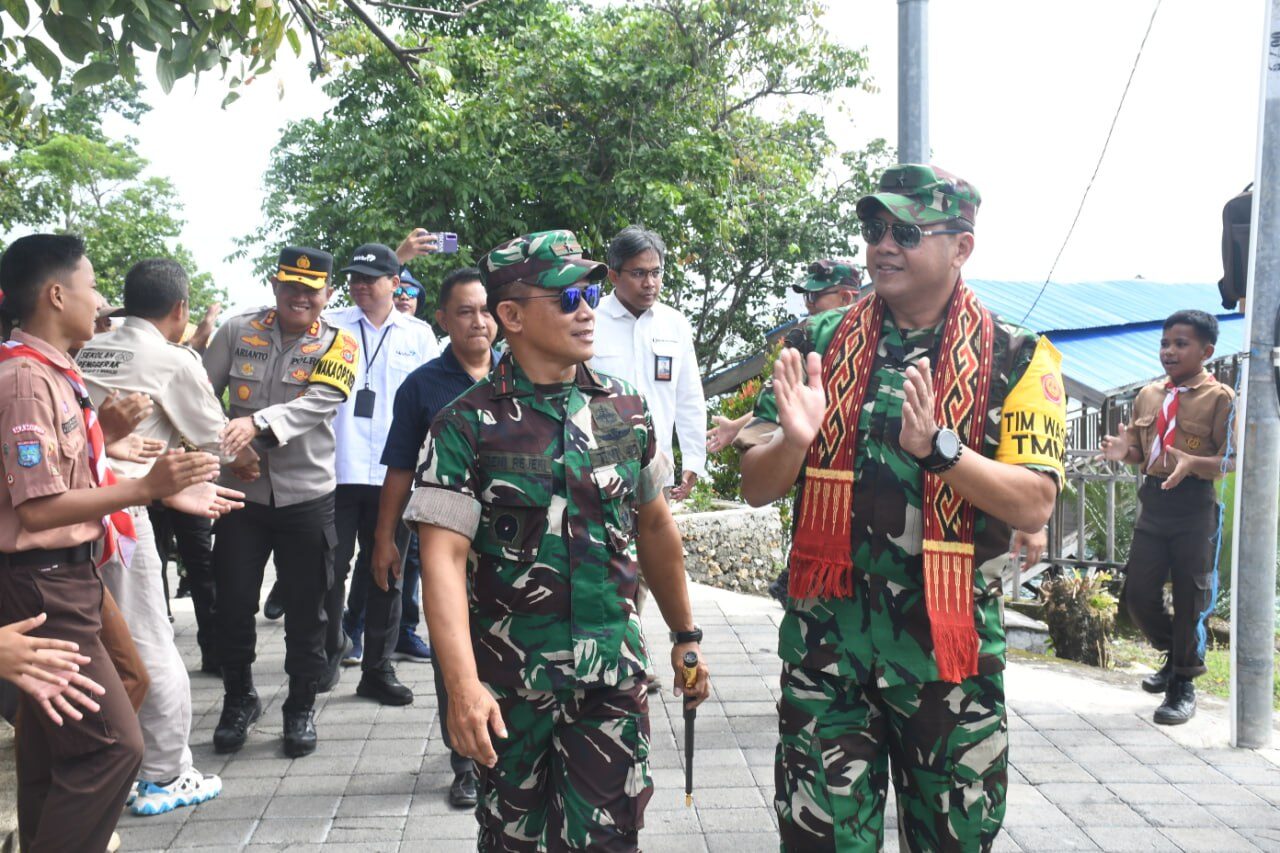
(1236, 215)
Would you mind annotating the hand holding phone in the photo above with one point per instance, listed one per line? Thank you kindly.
(446, 242)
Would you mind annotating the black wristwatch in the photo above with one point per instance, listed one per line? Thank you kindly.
(681, 637)
(947, 448)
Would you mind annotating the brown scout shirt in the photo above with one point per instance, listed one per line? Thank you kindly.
(42, 446)
(1202, 420)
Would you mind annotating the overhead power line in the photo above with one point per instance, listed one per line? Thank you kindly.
(1101, 156)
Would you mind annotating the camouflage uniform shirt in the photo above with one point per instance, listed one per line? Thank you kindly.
(545, 481)
(881, 634)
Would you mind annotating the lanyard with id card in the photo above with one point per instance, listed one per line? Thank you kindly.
(662, 368)
(366, 396)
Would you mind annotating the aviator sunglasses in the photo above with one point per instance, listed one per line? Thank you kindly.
(570, 297)
(406, 290)
(905, 234)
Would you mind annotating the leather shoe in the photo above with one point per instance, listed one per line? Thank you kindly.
(240, 709)
(1179, 703)
(333, 666)
(299, 732)
(273, 609)
(1158, 681)
(382, 684)
(462, 793)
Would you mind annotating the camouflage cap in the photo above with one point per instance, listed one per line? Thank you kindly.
(550, 259)
(922, 194)
(828, 273)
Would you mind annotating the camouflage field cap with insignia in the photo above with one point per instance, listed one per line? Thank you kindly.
(302, 265)
(549, 259)
(922, 194)
(828, 273)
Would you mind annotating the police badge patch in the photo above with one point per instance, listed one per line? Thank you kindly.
(29, 454)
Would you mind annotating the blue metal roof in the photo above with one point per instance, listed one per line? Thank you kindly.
(1094, 304)
(1107, 359)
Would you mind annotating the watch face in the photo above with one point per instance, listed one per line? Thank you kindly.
(947, 443)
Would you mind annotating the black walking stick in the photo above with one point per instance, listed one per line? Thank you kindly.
(690, 714)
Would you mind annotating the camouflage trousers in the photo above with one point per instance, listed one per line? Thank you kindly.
(947, 745)
(573, 772)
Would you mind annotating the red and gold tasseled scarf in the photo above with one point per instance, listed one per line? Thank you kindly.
(821, 561)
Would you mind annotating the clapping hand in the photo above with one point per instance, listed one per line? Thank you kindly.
(802, 401)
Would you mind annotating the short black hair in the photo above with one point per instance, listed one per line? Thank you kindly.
(455, 278)
(153, 287)
(631, 241)
(28, 263)
(1203, 323)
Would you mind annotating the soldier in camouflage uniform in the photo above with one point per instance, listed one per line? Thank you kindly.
(537, 486)
(863, 692)
(829, 284)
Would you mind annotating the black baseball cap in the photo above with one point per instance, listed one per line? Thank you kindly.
(374, 259)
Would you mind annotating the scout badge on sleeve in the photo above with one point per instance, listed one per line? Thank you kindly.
(690, 714)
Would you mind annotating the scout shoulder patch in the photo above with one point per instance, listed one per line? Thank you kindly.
(1033, 421)
(336, 367)
(29, 454)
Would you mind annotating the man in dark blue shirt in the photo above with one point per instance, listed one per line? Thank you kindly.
(467, 359)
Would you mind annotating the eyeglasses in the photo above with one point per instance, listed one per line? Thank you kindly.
(811, 297)
(905, 234)
(407, 290)
(570, 297)
(637, 275)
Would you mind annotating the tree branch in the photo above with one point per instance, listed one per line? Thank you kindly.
(439, 13)
(398, 52)
(300, 7)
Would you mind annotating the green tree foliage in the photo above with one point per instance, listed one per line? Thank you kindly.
(76, 179)
(91, 42)
(701, 119)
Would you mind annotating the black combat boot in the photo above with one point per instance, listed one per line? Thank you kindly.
(1158, 681)
(382, 685)
(240, 708)
(300, 718)
(1179, 702)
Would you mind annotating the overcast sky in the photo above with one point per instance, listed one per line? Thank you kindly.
(1021, 95)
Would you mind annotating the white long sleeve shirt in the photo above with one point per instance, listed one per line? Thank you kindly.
(409, 344)
(655, 353)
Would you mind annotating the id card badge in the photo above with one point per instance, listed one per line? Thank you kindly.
(364, 402)
(662, 368)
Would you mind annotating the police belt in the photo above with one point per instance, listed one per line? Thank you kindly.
(47, 556)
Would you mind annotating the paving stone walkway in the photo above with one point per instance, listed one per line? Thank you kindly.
(1089, 770)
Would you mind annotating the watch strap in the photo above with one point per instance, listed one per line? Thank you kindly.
(679, 637)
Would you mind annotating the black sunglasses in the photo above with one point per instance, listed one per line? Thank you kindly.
(905, 234)
(570, 297)
(407, 290)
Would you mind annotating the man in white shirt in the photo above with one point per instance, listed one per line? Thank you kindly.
(650, 345)
(393, 344)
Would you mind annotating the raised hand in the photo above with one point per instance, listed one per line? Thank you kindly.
(207, 500)
(176, 470)
(1114, 448)
(419, 242)
(135, 448)
(918, 425)
(802, 402)
(119, 416)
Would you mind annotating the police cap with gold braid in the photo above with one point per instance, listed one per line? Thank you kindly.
(303, 265)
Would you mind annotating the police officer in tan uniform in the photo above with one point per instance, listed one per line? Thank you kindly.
(286, 371)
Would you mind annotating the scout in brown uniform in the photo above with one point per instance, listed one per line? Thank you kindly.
(54, 520)
(1178, 437)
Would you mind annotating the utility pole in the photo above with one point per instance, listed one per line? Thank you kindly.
(913, 81)
(1253, 564)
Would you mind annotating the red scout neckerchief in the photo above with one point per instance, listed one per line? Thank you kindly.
(120, 533)
(1167, 421)
(821, 561)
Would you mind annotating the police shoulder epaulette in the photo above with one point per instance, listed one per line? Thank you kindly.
(337, 367)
